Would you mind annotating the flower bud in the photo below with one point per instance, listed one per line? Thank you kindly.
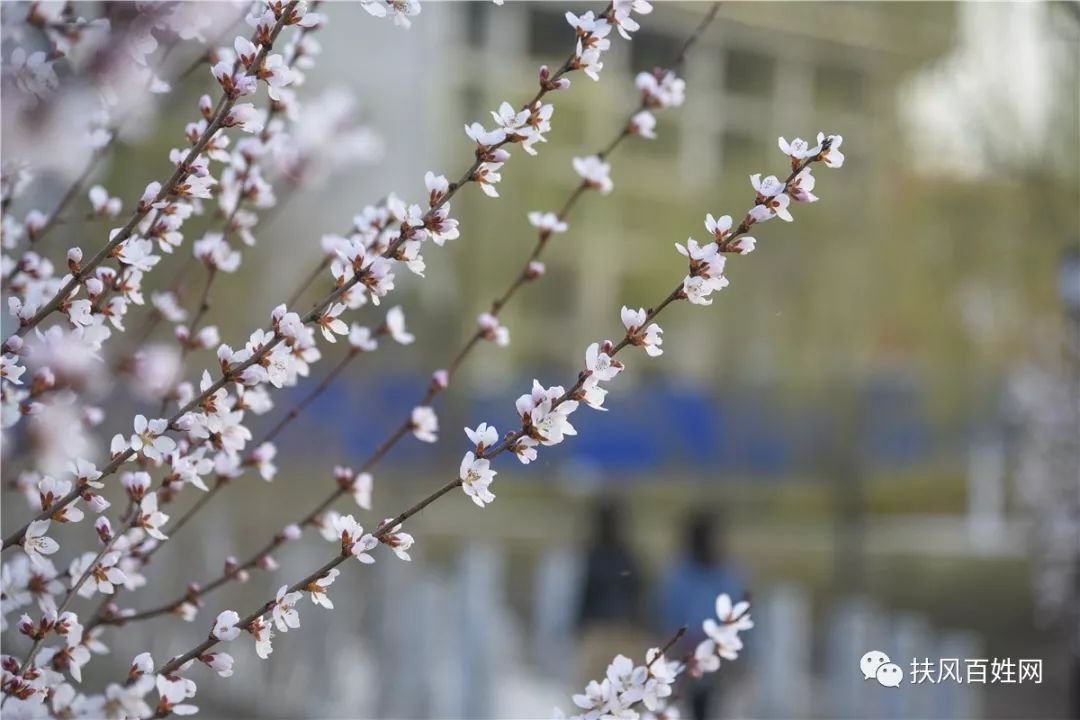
(136, 484)
(344, 477)
(535, 270)
(143, 664)
(74, 258)
(94, 287)
(185, 422)
(96, 502)
(104, 529)
(148, 196)
(35, 221)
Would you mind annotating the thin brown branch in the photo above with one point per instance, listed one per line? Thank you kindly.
(179, 174)
(106, 547)
(406, 425)
(277, 337)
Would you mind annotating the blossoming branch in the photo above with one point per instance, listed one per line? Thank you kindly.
(627, 688)
(208, 435)
(149, 444)
(544, 414)
(361, 271)
(657, 89)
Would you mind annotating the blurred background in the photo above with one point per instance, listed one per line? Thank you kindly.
(873, 432)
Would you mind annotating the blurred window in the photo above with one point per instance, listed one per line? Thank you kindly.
(652, 49)
(741, 151)
(562, 300)
(749, 73)
(665, 145)
(476, 18)
(472, 104)
(571, 127)
(837, 87)
(549, 34)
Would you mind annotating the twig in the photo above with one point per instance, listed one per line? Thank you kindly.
(277, 337)
(433, 389)
(225, 104)
(38, 642)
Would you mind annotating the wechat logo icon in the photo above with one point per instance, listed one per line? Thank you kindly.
(875, 665)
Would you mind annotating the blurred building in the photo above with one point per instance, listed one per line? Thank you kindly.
(827, 398)
(761, 71)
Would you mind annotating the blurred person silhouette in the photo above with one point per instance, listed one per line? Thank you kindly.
(688, 596)
(610, 613)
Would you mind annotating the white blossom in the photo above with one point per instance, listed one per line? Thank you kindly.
(476, 476)
(354, 541)
(399, 542)
(138, 253)
(832, 157)
(771, 197)
(361, 338)
(331, 325)
(10, 370)
(661, 88)
(219, 662)
(226, 626)
(36, 543)
(102, 204)
(104, 575)
(801, 186)
(643, 123)
(262, 632)
(150, 518)
(318, 587)
(595, 172)
(395, 325)
(284, 610)
(483, 138)
(397, 10)
(425, 424)
(487, 175)
(546, 418)
(798, 149)
(484, 436)
(600, 365)
(491, 329)
(547, 222)
(173, 692)
(647, 337)
(148, 439)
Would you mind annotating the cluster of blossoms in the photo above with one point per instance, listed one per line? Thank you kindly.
(35, 289)
(211, 419)
(399, 11)
(632, 691)
(160, 214)
(545, 411)
(54, 44)
(208, 437)
(214, 434)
